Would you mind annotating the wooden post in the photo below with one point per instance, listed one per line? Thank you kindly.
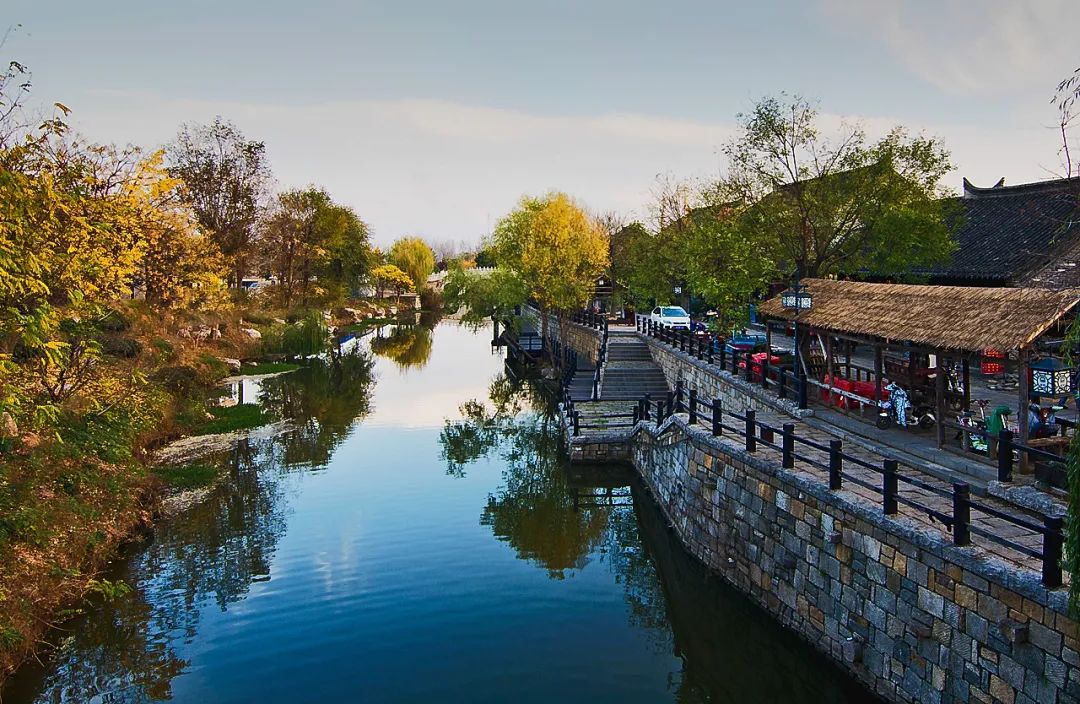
(829, 370)
(1022, 420)
(966, 367)
(877, 370)
(847, 359)
(939, 399)
(961, 514)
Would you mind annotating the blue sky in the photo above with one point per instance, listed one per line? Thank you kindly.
(432, 118)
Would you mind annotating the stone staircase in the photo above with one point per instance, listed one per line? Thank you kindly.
(629, 372)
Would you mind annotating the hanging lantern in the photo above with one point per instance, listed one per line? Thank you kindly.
(1050, 377)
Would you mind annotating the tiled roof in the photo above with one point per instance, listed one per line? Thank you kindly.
(1006, 232)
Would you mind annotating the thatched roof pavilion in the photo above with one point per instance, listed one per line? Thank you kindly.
(940, 317)
(943, 321)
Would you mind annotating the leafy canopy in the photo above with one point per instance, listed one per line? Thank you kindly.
(554, 247)
(839, 205)
(413, 256)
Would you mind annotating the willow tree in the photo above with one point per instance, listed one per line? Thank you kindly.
(556, 248)
(413, 256)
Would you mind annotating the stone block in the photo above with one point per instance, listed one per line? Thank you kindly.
(1001, 690)
(930, 602)
(1043, 637)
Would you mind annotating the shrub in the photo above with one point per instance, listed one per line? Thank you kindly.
(119, 346)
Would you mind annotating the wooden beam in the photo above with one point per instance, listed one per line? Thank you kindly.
(939, 399)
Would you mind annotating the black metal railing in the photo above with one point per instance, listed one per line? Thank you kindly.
(793, 449)
(711, 349)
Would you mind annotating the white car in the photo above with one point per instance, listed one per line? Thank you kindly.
(671, 317)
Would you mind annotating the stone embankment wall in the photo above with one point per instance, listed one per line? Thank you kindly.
(913, 617)
(712, 382)
(583, 340)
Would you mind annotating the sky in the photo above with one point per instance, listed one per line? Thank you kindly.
(433, 118)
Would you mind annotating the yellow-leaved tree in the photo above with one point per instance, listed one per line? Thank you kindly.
(181, 266)
(556, 248)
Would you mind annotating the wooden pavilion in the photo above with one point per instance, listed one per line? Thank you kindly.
(905, 323)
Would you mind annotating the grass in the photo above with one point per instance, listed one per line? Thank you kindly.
(270, 368)
(228, 419)
(190, 476)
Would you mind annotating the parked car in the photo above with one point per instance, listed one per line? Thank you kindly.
(671, 317)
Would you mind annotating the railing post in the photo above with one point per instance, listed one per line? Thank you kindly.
(709, 353)
(717, 428)
(637, 410)
(670, 406)
(692, 407)
(677, 406)
(682, 340)
(577, 423)
(749, 367)
(723, 358)
(1053, 540)
(751, 430)
(646, 406)
(961, 511)
(788, 446)
(765, 371)
(889, 487)
(783, 383)
(659, 411)
(802, 390)
(1005, 455)
(836, 464)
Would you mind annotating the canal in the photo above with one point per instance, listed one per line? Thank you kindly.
(416, 536)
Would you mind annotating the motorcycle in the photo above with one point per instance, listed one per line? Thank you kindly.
(888, 412)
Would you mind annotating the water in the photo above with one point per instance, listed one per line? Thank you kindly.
(418, 538)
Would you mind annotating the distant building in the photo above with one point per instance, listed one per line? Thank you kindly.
(1026, 235)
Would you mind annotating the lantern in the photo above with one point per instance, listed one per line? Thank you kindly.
(797, 298)
(1050, 377)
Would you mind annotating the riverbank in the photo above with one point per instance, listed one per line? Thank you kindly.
(75, 487)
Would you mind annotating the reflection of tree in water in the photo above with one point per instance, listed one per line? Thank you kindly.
(214, 551)
(324, 399)
(408, 346)
(533, 510)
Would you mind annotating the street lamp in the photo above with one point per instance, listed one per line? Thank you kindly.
(797, 298)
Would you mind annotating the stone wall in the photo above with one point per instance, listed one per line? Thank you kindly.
(712, 382)
(583, 340)
(913, 617)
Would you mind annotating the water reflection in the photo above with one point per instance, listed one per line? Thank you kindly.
(408, 346)
(325, 398)
(340, 562)
(208, 557)
(561, 518)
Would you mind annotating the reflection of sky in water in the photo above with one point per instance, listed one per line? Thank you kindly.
(369, 574)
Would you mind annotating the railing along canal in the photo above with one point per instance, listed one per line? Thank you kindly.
(786, 440)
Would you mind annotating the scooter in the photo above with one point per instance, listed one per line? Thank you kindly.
(921, 416)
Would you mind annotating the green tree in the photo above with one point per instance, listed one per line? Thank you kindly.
(226, 177)
(835, 206)
(555, 248)
(483, 295)
(413, 256)
(315, 246)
